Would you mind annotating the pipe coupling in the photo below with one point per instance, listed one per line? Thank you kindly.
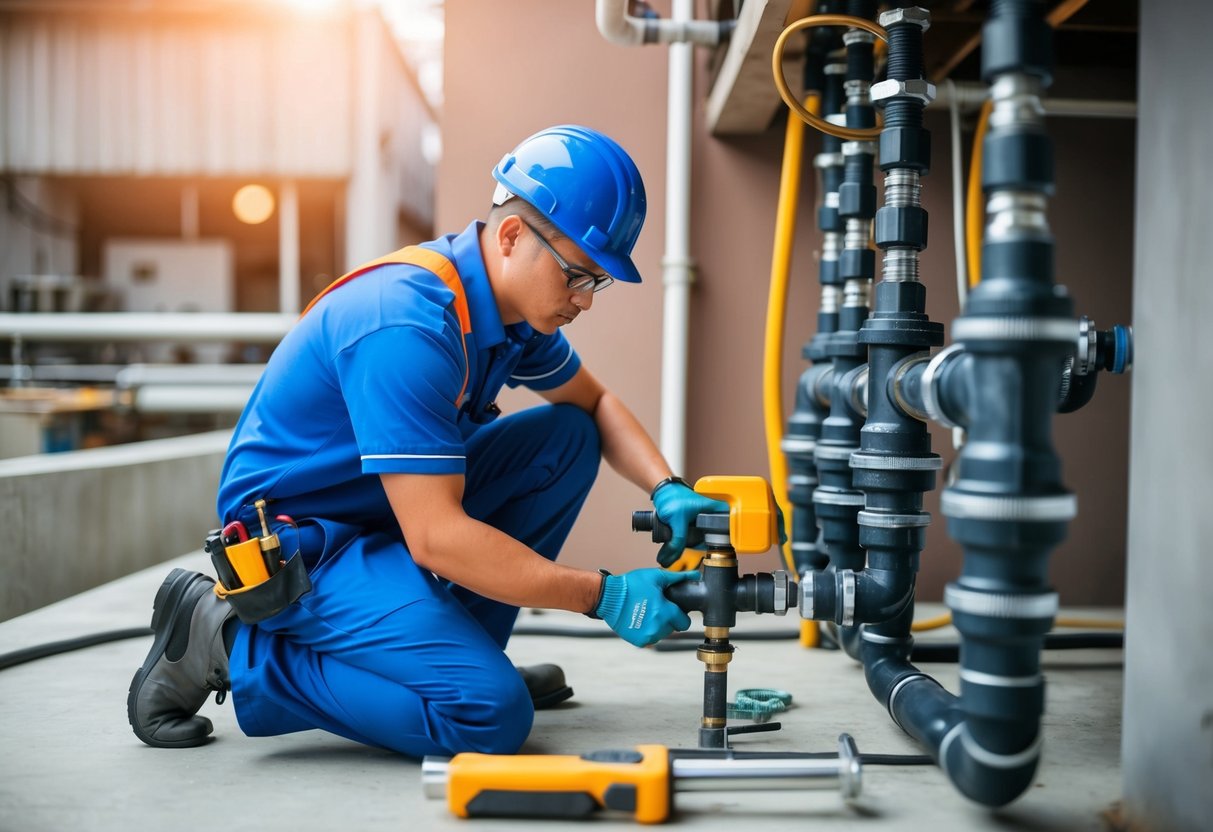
(919, 89)
(930, 384)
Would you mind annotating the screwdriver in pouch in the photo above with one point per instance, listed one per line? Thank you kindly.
(271, 547)
(641, 782)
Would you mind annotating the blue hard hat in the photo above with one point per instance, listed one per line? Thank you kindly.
(587, 185)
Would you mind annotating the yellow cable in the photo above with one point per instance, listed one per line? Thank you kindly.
(810, 634)
(777, 301)
(945, 619)
(975, 209)
(1089, 623)
(931, 623)
(852, 134)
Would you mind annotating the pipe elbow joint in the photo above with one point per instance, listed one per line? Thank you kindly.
(882, 594)
(983, 776)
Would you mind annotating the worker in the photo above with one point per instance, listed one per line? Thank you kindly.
(413, 521)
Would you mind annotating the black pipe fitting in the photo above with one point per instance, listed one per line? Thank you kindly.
(1021, 159)
(1017, 38)
(901, 227)
(905, 147)
(1007, 508)
(799, 445)
(857, 263)
(847, 597)
(857, 195)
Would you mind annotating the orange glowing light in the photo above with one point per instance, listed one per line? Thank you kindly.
(253, 204)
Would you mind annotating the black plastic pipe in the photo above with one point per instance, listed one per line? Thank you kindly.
(835, 501)
(1007, 508)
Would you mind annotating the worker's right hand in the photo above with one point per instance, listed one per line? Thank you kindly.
(635, 606)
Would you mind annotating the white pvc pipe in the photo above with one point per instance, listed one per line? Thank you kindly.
(678, 269)
(620, 28)
(145, 326)
(288, 249)
(191, 398)
(969, 95)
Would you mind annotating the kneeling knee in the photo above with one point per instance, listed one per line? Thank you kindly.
(498, 723)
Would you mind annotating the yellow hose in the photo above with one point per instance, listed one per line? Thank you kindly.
(1079, 623)
(777, 301)
(975, 209)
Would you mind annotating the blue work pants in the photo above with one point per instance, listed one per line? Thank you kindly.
(383, 652)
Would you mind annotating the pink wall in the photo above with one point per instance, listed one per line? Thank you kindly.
(513, 68)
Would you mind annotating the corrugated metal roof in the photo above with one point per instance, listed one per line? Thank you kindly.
(213, 95)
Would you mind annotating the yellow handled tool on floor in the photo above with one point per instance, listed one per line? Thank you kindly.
(640, 781)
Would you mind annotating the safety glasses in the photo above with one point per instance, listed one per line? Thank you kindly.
(579, 279)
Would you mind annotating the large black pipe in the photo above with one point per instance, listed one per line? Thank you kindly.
(1007, 508)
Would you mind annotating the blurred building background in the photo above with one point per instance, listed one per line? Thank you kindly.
(134, 134)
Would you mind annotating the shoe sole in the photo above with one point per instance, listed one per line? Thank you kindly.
(175, 589)
(552, 698)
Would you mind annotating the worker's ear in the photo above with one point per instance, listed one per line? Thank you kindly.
(508, 232)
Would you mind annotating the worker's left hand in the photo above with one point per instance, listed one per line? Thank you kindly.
(635, 607)
(678, 506)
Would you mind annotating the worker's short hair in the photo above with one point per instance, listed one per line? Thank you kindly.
(511, 204)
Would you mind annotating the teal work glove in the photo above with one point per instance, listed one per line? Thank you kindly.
(677, 506)
(635, 607)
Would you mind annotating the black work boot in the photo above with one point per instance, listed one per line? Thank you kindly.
(187, 661)
(546, 684)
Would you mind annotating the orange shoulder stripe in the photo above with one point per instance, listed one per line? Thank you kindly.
(433, 262)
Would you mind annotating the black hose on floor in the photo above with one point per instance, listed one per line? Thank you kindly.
(54, 648)
(923, 651)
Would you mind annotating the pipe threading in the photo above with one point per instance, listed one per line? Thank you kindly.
(1016, 99)
(904, 64)
(830, 295)
(905, 51)
(832, 242)
(1012, 214)
(900, 265)
(859, 93)
(857, 36)
(857, 292)
(859, 232)
(902, 188)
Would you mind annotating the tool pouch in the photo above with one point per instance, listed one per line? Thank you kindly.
(271, 596)
(246, 584)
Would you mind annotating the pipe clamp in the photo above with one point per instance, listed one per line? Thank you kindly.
(847, 580)
(838, 498)
(881, 462)
(881, 520)
(835, 453)
(930, 382)
(1064, 330)
(994, 760)
(960, 505)
(1000, 604)
(796, 445)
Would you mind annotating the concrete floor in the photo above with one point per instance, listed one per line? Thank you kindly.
(70, 761)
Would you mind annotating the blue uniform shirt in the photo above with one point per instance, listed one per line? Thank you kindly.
(366, 383)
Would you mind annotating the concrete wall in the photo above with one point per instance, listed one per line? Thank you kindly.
(75, 520)
(513, 68)
(1167, 750)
